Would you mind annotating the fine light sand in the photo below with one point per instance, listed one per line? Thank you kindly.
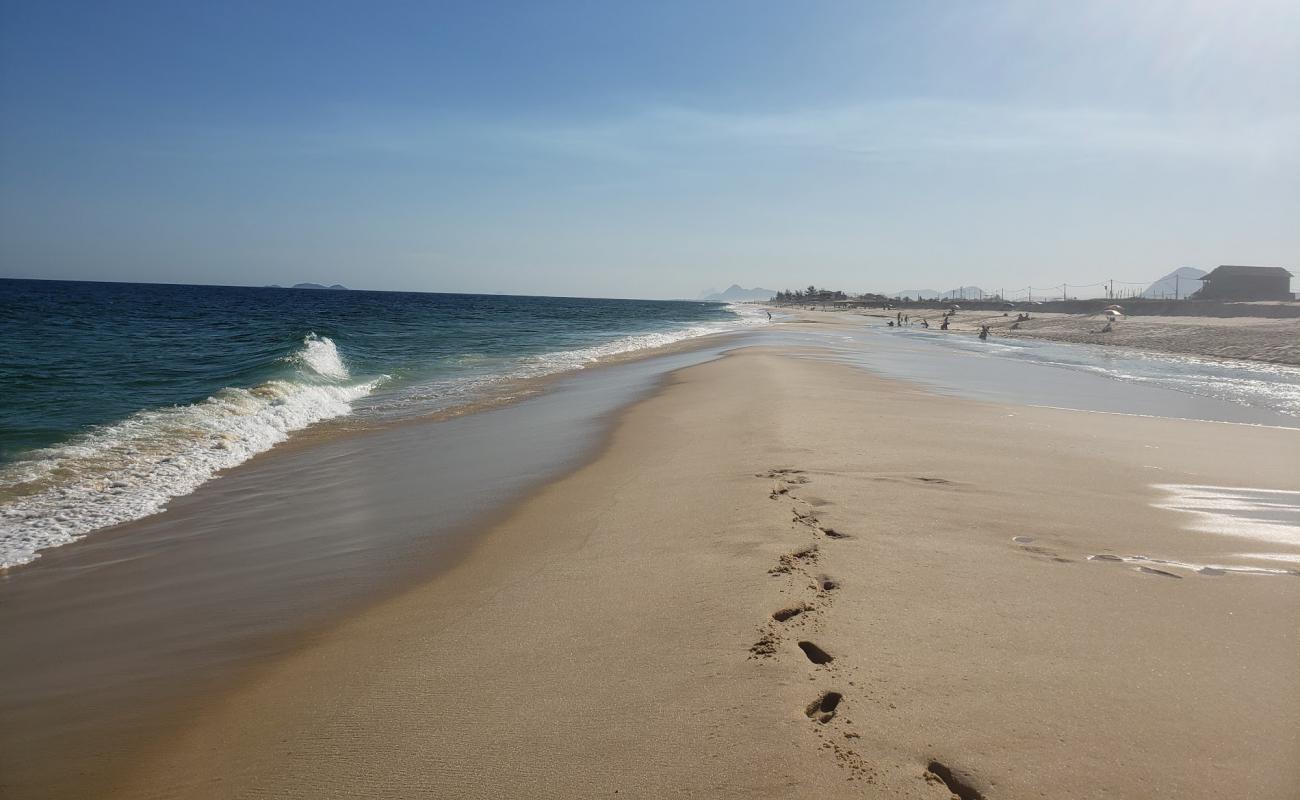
(616, 635)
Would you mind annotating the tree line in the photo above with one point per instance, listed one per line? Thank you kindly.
(810, 295)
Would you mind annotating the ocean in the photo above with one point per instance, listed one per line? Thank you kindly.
(116, 398)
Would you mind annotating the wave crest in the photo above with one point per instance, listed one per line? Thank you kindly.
(131, 469)
(320, 356)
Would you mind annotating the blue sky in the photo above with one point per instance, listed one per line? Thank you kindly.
(647, 149)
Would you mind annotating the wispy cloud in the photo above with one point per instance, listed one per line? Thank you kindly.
(912, 130)
(908, 131)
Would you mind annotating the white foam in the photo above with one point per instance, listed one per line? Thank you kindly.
(131, 469)
(1203, 569)
(321, 356)
(1265, 515)
(564, 360)
(463, 389)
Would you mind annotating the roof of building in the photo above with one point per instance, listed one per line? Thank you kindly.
(1231, 271)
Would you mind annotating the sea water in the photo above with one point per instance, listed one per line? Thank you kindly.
(1085, 377)
(116, 398)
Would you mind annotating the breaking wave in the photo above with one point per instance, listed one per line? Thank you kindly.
(132, 468)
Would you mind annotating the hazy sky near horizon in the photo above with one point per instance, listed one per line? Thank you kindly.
(647, 149)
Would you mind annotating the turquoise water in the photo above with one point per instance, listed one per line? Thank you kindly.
(118, 397)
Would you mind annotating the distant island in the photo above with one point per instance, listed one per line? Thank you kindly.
(337, 286)
(737, 294)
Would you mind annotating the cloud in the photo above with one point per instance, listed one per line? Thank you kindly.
(913, 130)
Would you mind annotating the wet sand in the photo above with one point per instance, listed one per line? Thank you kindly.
(787, 578)
(119, 639)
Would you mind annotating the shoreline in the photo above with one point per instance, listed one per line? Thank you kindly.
(85, 580)
(572, 654)
(1264, 340)
(218, 699)
(508, 392)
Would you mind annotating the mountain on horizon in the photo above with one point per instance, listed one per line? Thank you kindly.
(1178, 284)
(738, 294)
(969, 292)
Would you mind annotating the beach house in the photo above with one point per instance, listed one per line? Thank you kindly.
(1229, 282)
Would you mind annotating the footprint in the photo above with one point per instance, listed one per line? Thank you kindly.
(787, 474)
(923, 479)
(1104, 557)
(815, 654)
(1150, 571)
(957, 784)
(765, 647)
(827, 584)
(823, 708)
(808, 518)
(788, 613)
(834, 534)
(789, 561)
(1036, 550)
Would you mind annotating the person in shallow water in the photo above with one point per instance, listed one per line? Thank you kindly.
(984, 332)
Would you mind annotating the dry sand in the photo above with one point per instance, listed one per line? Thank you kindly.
(616, 634)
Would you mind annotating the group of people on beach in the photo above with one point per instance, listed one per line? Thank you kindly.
(900, 320)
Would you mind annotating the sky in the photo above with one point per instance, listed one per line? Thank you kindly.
(638, 149)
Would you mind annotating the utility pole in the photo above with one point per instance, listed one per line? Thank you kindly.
(1176, 277)
(1063, 293)
(1112, 289)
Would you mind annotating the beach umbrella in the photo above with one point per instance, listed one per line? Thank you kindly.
(955, 307)
(1112, 313)
(1008, 305)
(1120, 309)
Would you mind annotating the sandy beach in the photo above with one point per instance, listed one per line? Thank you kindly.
(1274, 340)
(786, 578)
(516, 401)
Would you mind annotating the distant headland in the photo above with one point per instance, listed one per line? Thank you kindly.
(337, 286)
